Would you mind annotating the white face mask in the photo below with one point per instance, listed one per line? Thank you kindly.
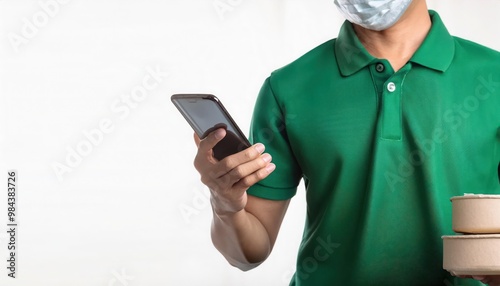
(375, 14)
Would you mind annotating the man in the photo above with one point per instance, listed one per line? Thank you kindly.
(384, 124)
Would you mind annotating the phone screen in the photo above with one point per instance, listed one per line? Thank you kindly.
(205, 114)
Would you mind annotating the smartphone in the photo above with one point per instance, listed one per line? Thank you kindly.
(205, 113)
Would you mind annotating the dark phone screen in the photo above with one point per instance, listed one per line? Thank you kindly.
(206, 115)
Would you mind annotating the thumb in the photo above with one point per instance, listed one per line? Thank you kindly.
(197, 139)
(208, 143)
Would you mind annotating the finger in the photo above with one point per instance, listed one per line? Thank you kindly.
(224, 175)
(255, 177)
(207, 144)
(250, 167)
(478, 277)
(245, 169)
(204, 157)
(238, 187)
(242, 157)
(482, 279)
(197, 139)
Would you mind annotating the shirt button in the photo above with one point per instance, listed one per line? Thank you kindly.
(391, 87)
(379, 67)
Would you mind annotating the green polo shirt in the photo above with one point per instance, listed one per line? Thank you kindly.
(381, 153)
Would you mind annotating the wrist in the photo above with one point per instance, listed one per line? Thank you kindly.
(224, 204)
(222, 209)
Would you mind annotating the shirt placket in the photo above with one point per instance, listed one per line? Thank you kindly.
(389, 86)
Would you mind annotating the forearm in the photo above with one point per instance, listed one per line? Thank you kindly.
(241, 238)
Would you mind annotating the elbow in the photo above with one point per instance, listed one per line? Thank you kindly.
(244, 266)
(241, 259)
(243, 262)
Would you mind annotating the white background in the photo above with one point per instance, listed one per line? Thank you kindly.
(114, 218)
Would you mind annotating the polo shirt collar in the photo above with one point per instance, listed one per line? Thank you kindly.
(350, 52)
(436, 51)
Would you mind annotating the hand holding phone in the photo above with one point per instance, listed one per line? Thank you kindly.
(205, 114)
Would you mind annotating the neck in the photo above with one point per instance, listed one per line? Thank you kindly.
(398, 43)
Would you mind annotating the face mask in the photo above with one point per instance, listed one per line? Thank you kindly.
(373, 15)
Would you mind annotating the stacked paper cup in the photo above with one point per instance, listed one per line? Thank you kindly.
(476, 248)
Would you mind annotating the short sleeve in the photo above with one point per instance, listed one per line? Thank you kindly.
(269, 128)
